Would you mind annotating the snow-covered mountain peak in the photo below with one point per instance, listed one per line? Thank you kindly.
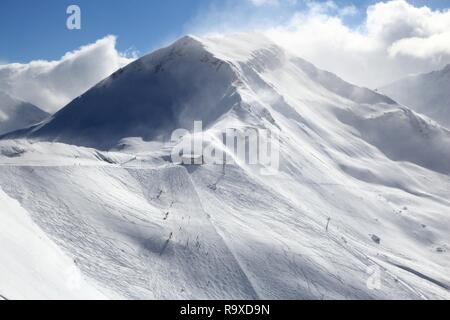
(149, 98)
(16, 114)
(192, 79)
(230, 80)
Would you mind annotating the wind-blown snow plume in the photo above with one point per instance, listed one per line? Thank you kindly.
(393, 39)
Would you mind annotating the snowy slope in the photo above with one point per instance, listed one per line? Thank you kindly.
(15, 114)
(142, 227)
(31, 265)
(425, 93)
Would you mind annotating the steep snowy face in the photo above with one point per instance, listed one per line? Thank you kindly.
(192, 80)
(149, 98)
(233, 81)
(425, 93)
(15, 114)
(286, 92)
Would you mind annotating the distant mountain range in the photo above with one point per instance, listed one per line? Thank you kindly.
(16, 114)
(428, 94)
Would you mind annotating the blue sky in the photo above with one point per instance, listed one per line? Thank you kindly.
(32, 30)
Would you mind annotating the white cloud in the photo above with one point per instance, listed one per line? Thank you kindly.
(52, 84)
(264, 2)
(395, 20)
(259, 3)
(395, 40)
(423, 48)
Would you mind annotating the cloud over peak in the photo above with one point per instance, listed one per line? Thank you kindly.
(395, 39)
(369, 46)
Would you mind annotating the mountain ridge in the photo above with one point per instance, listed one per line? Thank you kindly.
(230, 65)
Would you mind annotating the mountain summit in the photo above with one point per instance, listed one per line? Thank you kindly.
(192, 79)
(240, 79)
(149, 98)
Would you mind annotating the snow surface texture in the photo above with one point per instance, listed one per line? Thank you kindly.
(362, 185)
(15, 114)
(425, 93)
(31, 265)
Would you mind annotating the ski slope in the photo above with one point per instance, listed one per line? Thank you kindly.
(362, 184)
